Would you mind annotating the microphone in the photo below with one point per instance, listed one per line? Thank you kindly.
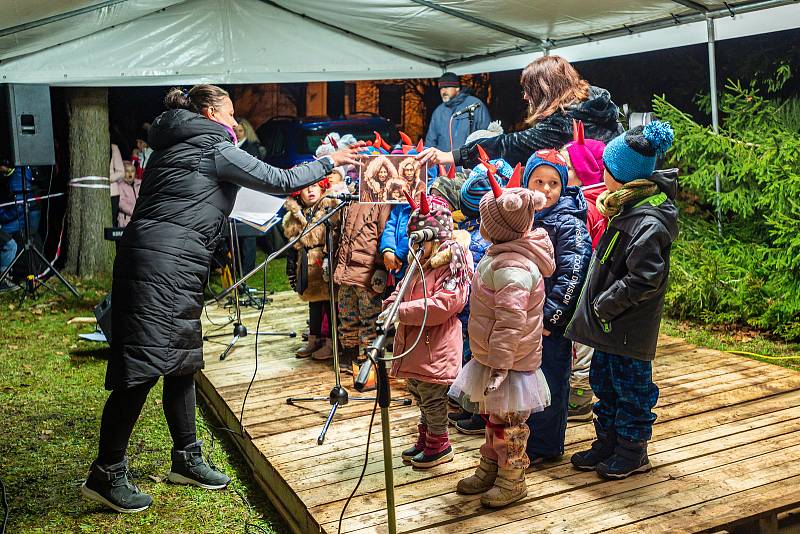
(344, 197)
(468, 109)
(418, 236)
(363, 376)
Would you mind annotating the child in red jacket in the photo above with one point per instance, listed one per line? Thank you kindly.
(433, 363)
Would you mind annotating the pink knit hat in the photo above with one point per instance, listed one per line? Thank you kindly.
(586, 156)
(508, 215)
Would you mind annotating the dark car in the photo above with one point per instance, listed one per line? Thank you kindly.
(290, 140)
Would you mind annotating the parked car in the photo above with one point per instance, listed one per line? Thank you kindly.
(291, 140)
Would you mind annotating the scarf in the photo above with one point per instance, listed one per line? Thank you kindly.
(610, 204)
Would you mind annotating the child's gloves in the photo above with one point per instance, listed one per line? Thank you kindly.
(326, 270)
(495, 379)
(381, 320)
(378, 281)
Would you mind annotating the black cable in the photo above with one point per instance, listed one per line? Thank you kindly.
(364, 468)
(6, 511)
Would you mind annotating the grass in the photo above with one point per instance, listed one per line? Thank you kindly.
(51, 398)
(761, 346)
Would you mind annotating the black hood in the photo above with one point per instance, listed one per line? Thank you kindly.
(598, 109)
(667, 181)
(177, 125)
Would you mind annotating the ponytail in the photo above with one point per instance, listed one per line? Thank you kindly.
(195, 99)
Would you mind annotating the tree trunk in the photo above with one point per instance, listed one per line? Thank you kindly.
(89, 203)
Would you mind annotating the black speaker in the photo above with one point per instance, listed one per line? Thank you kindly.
(26, 125)
(103, 313)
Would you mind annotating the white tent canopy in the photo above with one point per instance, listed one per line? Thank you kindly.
(161, 42)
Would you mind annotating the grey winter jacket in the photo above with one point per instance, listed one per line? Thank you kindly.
(439, 128)
(619, 311)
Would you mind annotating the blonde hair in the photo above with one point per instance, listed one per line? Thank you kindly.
(249, 131)
(550, 84)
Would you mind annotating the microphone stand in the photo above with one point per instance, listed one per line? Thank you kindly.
(376, 356)
(338, 395)
(239, 329)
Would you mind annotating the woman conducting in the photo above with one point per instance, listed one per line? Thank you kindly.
(162, 263)
(556, 94)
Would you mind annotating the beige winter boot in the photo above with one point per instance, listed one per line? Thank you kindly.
(481, 481)
(311, 345)
(325, 352)
(509, 486)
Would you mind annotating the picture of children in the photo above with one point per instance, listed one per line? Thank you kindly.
(386, 177)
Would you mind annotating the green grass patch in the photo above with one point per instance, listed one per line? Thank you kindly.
(51, 398)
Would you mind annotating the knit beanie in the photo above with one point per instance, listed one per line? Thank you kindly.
(632, 155)
(550, 158)
(450, 188)
(502, 175)
(449, 79)
(471, 194)
(509, 216)
(431, 220)
(586, 156)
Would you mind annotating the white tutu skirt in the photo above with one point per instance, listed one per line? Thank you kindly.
(519, 392)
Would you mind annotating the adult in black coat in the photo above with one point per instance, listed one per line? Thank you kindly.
(556, 94)
(162, 263)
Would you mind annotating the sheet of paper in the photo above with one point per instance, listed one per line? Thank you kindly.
(254, 207)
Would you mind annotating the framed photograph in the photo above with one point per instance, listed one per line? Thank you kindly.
(383, 178)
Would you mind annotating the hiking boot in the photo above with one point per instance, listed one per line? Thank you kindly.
(473, 426)
(453, 403)
(346, 358)
(629, 457)
(305, 334)
(437, 451)
(509, 486)
(418, 447)
(539, 461)
(456, 417)
(8, 285)
(481, 481)
(188, 467)
(325, 352)
(109, 485)
(580, 404)
(314, 343)
(601, 450)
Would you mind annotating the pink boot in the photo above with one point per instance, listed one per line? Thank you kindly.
(418, 447)
(437, 451)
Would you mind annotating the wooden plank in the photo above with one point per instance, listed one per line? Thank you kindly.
(608, 504)
(709, 425)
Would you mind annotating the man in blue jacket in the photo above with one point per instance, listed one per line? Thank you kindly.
(454, 99)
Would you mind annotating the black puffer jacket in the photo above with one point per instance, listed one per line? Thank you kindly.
(599, 114)
(188, 190)
(619, 311)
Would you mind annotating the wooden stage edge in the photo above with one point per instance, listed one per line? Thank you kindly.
(725, 448)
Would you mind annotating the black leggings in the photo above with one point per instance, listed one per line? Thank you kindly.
(123, 407)
(316, 313)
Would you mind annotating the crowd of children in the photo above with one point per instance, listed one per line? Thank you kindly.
(539, 290)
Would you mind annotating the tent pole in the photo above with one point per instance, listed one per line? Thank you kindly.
(712, 73)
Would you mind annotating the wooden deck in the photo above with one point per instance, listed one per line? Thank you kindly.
(726, 449)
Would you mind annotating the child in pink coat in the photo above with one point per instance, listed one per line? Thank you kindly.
(128, 194)
(432, 364)
(503, 380)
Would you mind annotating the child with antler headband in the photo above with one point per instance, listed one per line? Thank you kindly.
(433, 363)
(503, 380)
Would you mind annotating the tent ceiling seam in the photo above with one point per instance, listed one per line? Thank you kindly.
(694, 6)
(348, 32)
(500, 28)
(56, 18)
(747, 7)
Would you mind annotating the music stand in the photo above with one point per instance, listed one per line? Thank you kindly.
(30, 286)
(239, 329)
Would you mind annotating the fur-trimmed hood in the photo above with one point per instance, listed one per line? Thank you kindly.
(296, 219)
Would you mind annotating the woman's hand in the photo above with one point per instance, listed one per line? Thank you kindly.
(348, 156)
(435, 156)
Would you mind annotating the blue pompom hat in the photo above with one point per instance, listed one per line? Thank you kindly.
(477, 185)
(632, 155)
(503, 174)
(551, 158)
